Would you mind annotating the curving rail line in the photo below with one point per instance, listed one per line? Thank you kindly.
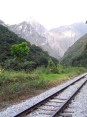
(53, 105)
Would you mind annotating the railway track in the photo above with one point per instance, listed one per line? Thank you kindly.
(54, 105)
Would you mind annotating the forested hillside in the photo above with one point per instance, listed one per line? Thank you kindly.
(36, 57)
(77, 54)
(56, 41)
(19, 79)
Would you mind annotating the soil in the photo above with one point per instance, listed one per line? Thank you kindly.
(4, 104)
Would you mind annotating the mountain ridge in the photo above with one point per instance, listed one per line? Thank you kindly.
(56, 41)
(77, 54)
(35, 58)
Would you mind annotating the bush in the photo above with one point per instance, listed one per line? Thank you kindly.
(28, 66)
(13, 64)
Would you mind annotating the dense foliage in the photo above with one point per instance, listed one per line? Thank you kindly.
(82, 59)
(77, 53)
(20, 50)
(35, 57)
(16, 85)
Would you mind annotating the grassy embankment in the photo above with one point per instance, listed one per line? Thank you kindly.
(15, 86)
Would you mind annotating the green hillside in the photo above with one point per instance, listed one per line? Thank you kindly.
(35, 58)
(77, 53)
(19, 84)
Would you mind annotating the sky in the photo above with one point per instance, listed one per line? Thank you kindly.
(49, 13)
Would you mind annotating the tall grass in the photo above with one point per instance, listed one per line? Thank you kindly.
(14, 85)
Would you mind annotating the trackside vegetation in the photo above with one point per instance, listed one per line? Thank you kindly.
(19, 85)
(18, 54)
(26, 70)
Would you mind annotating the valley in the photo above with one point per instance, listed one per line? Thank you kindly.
(55, 41)
(54, 57)
(43, 58)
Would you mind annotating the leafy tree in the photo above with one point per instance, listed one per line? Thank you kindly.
(12, 60)
(50, 63)
(51, 66)
(20, 50)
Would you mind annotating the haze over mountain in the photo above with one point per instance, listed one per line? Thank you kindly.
(56, 41)
(77, 54)
(66, 36)
(34, 58)
(1, 22)
(36, 34)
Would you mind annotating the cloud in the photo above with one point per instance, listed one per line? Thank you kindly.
(50, 13)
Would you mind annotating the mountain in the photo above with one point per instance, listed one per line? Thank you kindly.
(66, 36)
(56, 41)
(35, 58)
(36, 34)
(2, 23)
(76, 55)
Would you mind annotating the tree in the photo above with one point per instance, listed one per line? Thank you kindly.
(20, 50)
(50, 63)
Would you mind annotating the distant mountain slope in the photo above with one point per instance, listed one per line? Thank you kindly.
(36, 56)
(77, 53)
(66, 36)
(1, 22)
(38, 35)
(56, 41)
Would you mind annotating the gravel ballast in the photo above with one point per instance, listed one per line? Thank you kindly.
(15, 109)
(78, 106)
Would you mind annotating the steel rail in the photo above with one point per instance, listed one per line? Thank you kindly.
(61, 109)
(35, 106)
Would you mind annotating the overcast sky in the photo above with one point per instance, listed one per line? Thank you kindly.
(50, 13)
